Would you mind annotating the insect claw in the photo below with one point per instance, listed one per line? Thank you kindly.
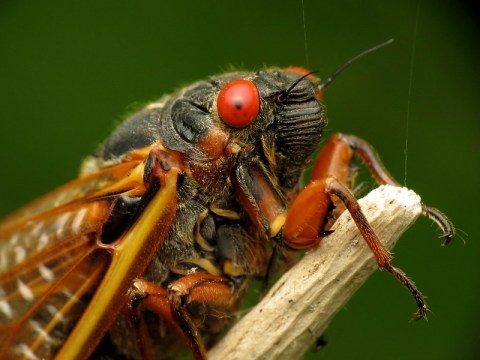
(416, 294)
(421, 313)
(442, 221)
(447, 237)
(324, 233)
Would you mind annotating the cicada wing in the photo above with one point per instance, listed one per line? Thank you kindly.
(42, 308)
(36, 236)
(67, 211)
(50, 262)
(73, 191)
(49, 278)
(57, 277)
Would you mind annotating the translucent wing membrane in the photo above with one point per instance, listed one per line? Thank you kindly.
(72, 191)
(40, 233)
(51, 264)
(45, 309)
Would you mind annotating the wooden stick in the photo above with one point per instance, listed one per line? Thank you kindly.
(302, 303)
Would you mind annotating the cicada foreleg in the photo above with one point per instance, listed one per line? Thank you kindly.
(341, 148)
(170, 304)
(308, 216)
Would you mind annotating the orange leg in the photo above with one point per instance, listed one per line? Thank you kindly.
(308, 215)
(341, 148)
(170, 305)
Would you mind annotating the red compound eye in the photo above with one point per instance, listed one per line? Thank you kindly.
(238, 103)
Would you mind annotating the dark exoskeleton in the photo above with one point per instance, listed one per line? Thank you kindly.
(206, 184)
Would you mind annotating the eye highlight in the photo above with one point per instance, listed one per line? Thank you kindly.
(238, 103)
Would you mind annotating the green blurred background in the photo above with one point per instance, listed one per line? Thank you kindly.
(69, 71)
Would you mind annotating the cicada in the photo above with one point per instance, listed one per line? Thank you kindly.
(151, 248)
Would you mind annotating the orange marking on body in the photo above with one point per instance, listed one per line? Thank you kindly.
(306, 216)
(213, 144)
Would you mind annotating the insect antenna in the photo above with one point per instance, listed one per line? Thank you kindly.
(329, 80)
(298, 81)
(286, 93)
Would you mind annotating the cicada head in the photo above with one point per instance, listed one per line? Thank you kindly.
(276, 114)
